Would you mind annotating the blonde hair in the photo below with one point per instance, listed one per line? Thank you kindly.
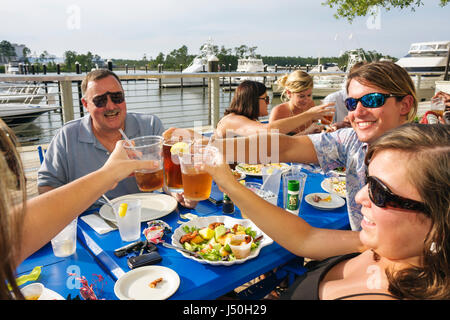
(296, 81)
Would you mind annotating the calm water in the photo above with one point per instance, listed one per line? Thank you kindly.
(175, 107)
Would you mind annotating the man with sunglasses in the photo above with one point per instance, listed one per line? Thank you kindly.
(381, 96)
(83, 145)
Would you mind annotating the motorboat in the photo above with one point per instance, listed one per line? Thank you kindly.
(250, 64)
(426, 57)
(20, 93)
(199, 64)
(12, 67)
(328, 77)
(14, 114)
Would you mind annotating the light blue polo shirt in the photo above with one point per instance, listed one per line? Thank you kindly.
(74, 152)
(342, 148)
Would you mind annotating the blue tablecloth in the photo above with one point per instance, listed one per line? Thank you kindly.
(198, 281)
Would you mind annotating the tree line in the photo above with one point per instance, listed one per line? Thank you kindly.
(177, 59)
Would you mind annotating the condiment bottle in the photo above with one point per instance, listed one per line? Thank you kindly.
(228, 205)
(292, 201)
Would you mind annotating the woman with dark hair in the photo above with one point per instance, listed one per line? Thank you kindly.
(403, 249)
(250, 102)
(26, 226)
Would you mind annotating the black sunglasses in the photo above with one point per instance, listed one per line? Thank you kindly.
(101, 100)
(266, 99)
(382, 197)
(371, 100)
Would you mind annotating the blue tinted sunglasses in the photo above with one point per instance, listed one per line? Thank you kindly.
(371, 100)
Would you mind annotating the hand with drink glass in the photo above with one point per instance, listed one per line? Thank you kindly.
(119, 165)
(323, 112)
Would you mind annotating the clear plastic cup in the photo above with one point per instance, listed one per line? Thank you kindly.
(196, 181)
(64, 243)
(35, 291)
(294, 174)
(148, 148)
(130, 223)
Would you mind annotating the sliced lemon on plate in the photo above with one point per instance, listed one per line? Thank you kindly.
(179, 147)
(123, 209)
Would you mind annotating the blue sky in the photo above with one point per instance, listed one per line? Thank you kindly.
(130, 29)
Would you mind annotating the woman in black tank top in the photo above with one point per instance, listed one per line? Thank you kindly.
(402, 250)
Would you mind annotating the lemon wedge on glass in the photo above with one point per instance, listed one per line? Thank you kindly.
(179, 148)
(123, 209)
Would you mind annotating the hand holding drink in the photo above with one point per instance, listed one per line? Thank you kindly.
(172, 170)
(197, 181)
(148, 148)
(323, 111)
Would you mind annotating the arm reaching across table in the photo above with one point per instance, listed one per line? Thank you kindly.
(288, 230)
(49, 213)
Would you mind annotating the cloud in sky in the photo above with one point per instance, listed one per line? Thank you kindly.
(130, 29)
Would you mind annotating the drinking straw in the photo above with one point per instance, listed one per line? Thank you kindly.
(109, 202)
(129, 143)
(125, 137)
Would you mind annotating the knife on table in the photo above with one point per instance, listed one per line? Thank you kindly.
(192, 253)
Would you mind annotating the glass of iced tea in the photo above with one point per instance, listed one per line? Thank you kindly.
(197, 182)
(148, 148)
(172, 169)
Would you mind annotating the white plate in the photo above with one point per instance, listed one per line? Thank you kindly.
(336, 201)
(52, 295)
(229, 222)
(241, 168)
(242, 175)
(334, 185)
(154, 206)
(135, 284)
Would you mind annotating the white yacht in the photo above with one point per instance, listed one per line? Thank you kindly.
(12, 67)
(14, 114)
(20, 93)
(250, 64)
(426, 57)
(198, 65)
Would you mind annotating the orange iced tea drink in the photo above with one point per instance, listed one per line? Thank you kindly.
(197, 182)
(149, 180)
(197, 185)
(172, 169)
(148, 148)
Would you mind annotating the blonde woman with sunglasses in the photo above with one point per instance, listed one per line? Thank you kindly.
(402, 251)
(250, 102)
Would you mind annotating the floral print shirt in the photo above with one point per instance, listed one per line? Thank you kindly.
(342, 148)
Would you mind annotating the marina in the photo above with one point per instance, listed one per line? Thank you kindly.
(176, 107)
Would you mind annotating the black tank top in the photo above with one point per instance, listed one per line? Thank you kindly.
(306, 287)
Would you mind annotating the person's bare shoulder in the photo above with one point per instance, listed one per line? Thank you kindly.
(280, 111)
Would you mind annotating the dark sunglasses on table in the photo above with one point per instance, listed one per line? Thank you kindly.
(101, 100)
(382, 197)
(371, 100)
(266, 99)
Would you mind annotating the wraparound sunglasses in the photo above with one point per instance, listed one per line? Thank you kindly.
(101, 100)
(370, 100)
(382, 197)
